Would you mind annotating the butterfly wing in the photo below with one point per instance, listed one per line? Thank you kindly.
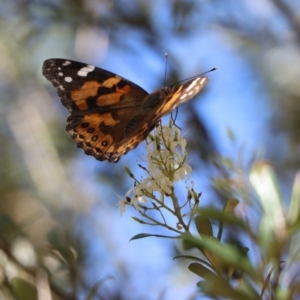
(159, 103)
(101, 106)
(168, 98)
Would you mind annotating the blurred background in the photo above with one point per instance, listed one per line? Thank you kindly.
(54, 196)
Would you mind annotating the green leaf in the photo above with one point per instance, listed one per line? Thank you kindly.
(203, 226)
(218, 287)
(193, 258)
(264, 181)
(201, 271)
(230, 205)
(205, 229)
(127, 170)
(23, 290)
(272, 226)
(266, 283)
(294, 209)
(226, 254)
(144, 235)
(215, 214)
(186, 245)
(138, 220)
(215, 261)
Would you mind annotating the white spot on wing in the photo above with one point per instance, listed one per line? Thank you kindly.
(192, 85)
(193, 88)
(60, 74)
(183, 96)
(68, 79)
(203, 80)
(85, 70)
(66, 63)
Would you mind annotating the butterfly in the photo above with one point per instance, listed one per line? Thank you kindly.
(110, 115)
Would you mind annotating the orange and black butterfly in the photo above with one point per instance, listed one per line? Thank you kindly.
(110, 115)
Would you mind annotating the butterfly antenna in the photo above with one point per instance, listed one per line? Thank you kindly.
(211, 70)
(166, 67)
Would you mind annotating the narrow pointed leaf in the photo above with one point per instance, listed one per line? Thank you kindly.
(273, 225)
(218, 287)
(201, 271)
(203, 262)
(215, 214)
(294, 209)
(226, 254)
(230, 205)
(144, 235)
(203, 226)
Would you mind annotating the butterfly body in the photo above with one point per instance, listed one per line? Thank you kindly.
(110, 115)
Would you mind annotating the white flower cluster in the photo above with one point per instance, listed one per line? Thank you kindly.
(166, 156)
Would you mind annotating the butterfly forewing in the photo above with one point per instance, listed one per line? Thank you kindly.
(82, 87)
(190, 89)
(110, 115)
(178, 95)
